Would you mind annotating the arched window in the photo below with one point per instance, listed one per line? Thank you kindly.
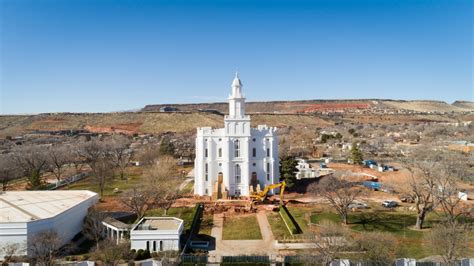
(220, 152)
(236, 148)
(237, 174)
(206, 168)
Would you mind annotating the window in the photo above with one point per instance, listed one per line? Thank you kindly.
(207, 191)
(254, 164)
(268, 171)
(254, 152)
(148, 245)
(254, 139)
(206, 170)
(205, 153)
(237, 174)
(236, 148)
(161, 245)
(268, 152)
(220, 152)
(154, 245)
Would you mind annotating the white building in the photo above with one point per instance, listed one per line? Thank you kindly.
(23, 214)
(305, 170)
(157, 234)
(234, 160)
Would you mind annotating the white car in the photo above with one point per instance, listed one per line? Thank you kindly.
(389, 204)
(358, 205)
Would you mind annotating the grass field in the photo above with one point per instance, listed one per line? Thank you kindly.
(399, 224)
(241, 228)
(206, 225)
(301, 215)
(278, 226)
(91, 184)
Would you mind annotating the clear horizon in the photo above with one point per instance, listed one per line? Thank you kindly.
(106, 56)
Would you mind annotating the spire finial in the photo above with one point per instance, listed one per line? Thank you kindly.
(237, 73)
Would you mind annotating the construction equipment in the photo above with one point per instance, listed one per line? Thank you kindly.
(262, 195)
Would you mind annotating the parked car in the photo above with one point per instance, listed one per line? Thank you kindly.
(358, 205)
(407, 198)
(389, 204)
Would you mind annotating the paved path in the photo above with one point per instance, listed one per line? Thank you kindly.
(243, 247)
(185, 182)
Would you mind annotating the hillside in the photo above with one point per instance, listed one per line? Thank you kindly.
(310, 106)
(295, 114)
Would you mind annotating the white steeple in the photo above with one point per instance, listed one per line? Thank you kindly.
(236, 87)
(236, 99)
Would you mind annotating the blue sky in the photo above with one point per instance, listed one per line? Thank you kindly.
(98, 56)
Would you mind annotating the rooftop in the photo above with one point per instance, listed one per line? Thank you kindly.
(159, 223)
(25, 206)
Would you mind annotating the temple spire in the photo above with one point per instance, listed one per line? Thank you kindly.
(236, 86)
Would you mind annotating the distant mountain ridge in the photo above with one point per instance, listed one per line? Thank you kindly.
(309, 106)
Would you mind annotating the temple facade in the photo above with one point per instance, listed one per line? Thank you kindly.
(236, 159)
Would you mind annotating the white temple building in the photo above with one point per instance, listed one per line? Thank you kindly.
(236, 159)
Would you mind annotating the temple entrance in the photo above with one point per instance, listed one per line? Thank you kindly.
(220, 178)
(254, 181)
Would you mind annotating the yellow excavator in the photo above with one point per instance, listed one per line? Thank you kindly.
(262, 195)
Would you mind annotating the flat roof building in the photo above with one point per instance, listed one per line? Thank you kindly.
(157, 234)
(23, 214)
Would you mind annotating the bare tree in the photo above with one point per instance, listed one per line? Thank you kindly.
(32, 160)
(110, 253)
(171, 194)
(139, 199)
(93, 228)
(338, 191)
(162, 179)
(450, 240)
(8, 170)
(58, 157)
(44, 247)
(94, 154)
(378, 248)
(330, 240)
(423, 168)
(10, 250)
(120, 154)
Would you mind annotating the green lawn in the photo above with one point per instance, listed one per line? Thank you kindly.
(188, 189)
(301, 215)
(187, 214)
(91, 184)
(241, 228)
(278, 226)
(399, 224)
(206, 225)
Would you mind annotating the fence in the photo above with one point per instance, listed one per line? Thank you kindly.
(67, 181)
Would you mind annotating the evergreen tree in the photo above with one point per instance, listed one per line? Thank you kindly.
(288, 170)
(356, 155)
(166, 147)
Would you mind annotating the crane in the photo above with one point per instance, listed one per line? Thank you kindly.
(262, 195)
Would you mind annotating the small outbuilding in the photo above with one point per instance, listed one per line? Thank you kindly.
(157, 234)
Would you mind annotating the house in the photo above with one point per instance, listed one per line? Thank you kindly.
(157, 234)
(24, 214)
(305, 170)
